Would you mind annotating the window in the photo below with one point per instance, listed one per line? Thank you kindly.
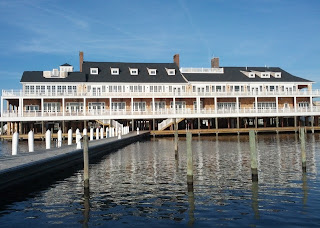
(94, 70)
(265, 75)
(51, 106)
(133, 71)
(277, 75)
(118, 106)
(32, 108)
(152, 71)
(195, 107)
(114, 71)
(251, 75)
(303, 104)
(74, 106)
(171, 71)
(265, 105)
(227, 105)
(158, 105)
(139, 106)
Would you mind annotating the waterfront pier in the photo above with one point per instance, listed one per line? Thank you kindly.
(25, 167)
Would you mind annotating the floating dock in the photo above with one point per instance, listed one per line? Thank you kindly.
(25, 167)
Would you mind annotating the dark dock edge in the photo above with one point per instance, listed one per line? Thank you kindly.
(33, 171)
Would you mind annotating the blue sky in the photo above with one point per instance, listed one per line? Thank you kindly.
(42, 34)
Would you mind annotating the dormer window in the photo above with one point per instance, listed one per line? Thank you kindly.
(265, 74)
(133, 71)
(251, 75)
(114, 71)
(171, 71)
(277, 75)
(94, 70)
(152, 71)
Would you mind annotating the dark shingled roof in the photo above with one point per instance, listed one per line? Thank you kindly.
(66, 64)
(37, 76)
(124, 72)
(233, 74)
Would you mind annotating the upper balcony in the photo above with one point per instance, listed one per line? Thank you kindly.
(22, 94)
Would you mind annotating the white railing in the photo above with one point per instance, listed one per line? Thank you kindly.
(167, 122)
(20, 93)
(162, 112)
(201, 70)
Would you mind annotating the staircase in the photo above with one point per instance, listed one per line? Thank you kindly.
(167, 123)
(114, 123)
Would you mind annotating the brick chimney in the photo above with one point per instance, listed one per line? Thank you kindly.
(81, 59)
(176, 59)
(215, 62)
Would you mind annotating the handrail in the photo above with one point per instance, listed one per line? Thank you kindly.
(20, 93)
(164, 112)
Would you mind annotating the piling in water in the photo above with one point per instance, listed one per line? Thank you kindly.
(176, 138)
(48, 139)
(253, 156)
(303, 149)
(85, 161)
(31, 141)
(15, 142)
(189, 162)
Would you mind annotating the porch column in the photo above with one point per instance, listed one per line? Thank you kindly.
(198, 104)
(131, 106)
(63, 106)
(84, 106)
(277, 104)
(216, 119)
(174, 105)
(311, 104)
(110, 107)
(215, 105)
(256, 103)
(312, 124)
(237, 105)
(153, 106)
(22, 107)
(42, 106)
(256, 122)
(295, 104)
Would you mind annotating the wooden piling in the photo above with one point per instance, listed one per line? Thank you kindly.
(85, 161)
(189, 162)
(303, 149)
(253, 156)
(176, 138)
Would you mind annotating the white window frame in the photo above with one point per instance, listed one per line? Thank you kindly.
(114, 71)
(171, 71)
(134, 71)
(265, 75)
(251, 75)
(152, 71)
(94, 71)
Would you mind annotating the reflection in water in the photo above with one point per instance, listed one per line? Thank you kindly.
(143, 183)
(254, 199)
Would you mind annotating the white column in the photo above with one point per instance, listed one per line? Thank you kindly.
(295, 103)
(107, 132)
(15, 142)
(59, 138)
(237, 104)
(91, 134)
(84, 107)
(78, 139)
(70, 137)
(31, 141)
(198, 104)
(48, 139)
(174, 105)
(311, 104)
(153, 106)
(97, 133)
(256, 103)
(42, 107)
(63, 106)
(110, 102)
(101, 132)
(131, 105)
(277, 104)
(22, 107)
(215, 105)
